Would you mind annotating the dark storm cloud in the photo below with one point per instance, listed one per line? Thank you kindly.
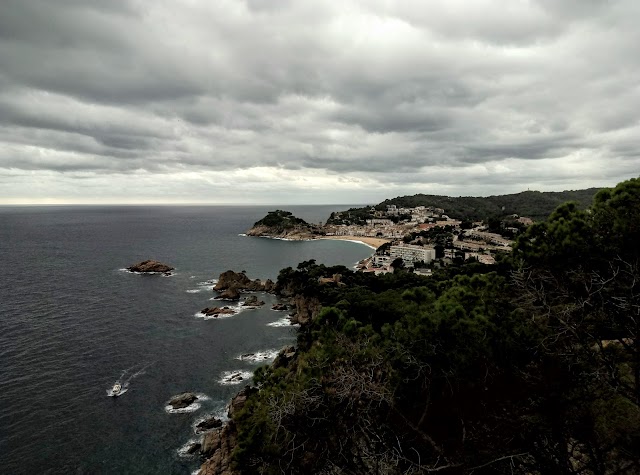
(381, 93)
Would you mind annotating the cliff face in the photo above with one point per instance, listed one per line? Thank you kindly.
(218, 447)
(306, 309)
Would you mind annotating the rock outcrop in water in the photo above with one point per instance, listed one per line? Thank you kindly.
(231, 283)
(208, 424)
(215, 311)
(183, 400)
(239, 281)
(253, 301)
(151, 267)
(231, 293)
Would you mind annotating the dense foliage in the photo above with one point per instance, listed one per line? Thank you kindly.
(281, 220)
(357, 216)
(531, 366)
(534, 204)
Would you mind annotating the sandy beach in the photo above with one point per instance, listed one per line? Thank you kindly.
(372, 242)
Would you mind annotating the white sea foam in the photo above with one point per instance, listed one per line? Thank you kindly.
(235, 377)
(213, 317)
(184, 450)
(242, 234)
(236, 310)
(202, 286)
(162, 274)
(208, 282)
(183, 410)
(283, 322)
(259, 356)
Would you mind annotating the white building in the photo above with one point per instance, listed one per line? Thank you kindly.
(410, 254)
(381, 260)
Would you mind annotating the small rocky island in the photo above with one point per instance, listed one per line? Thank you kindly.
(182, 400)
(284, 225)
(151, 267)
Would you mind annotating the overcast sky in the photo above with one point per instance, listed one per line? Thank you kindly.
(294, 101)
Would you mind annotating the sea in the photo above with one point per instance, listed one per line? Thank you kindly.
(73, 321)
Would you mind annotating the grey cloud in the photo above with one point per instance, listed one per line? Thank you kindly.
(388, 92)
(394, 120)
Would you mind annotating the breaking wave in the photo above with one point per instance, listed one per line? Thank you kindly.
(235, 308)
(258, 356)
(235, 377)
(283, 322)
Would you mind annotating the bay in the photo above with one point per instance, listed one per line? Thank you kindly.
(72, 321)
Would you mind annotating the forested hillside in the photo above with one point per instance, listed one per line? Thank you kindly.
(531, 366)
(534, 204)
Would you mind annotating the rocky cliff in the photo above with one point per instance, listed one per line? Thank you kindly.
(217, 447)
(306, 309)
(239, 281)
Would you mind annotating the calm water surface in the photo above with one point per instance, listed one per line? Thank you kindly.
(71, 322)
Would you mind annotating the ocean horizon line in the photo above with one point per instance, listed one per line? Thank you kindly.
(26, 205)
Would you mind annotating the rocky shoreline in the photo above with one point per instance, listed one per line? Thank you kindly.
(217, 446)
(219, 439)
(298, 233)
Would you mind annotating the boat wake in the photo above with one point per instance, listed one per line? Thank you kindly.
(121, 385)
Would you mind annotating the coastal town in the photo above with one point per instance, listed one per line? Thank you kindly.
(420, 238)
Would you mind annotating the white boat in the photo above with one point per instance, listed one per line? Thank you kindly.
(117, 387)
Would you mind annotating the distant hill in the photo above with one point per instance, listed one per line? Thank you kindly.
(534, 204)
